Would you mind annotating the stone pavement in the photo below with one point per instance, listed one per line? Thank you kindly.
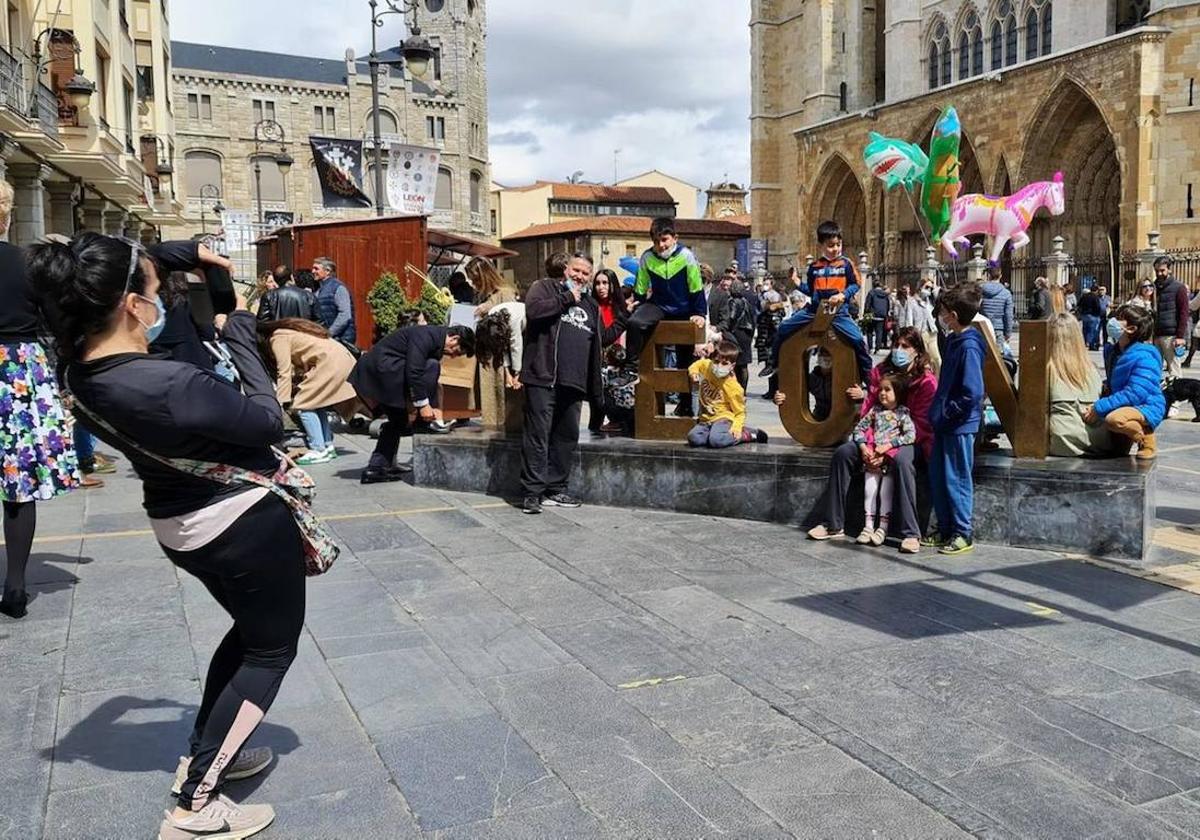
(470, 672)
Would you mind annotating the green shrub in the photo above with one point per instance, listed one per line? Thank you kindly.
(392, 309)
(387, 302)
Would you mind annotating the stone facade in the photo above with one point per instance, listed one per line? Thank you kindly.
(724, 200)
(220, 102)
(1113, 103)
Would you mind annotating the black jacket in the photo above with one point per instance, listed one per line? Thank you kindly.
(177, 410)
(393, 371)
(20, 316)
(545, 303)
(288, 301)
(879, 302)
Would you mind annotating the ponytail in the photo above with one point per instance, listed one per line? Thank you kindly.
(80, 285)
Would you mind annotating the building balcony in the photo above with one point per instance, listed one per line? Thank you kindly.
(32, 120)
(441, 219)
(477, 222)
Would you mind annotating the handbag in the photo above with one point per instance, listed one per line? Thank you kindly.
(290, 483)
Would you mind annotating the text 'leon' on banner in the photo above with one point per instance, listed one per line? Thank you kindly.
(339, 169)
(412, 179)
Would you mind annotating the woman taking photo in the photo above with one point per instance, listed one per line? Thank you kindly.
(35, 437)
(310, 371)
(238, 538)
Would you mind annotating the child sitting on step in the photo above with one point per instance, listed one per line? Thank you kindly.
(880, 433)
(722, 420)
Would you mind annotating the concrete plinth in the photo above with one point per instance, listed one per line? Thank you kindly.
(1098, 508)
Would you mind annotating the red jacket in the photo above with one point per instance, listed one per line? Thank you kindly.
(920, 397)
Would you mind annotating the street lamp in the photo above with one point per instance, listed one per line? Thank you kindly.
(417, 53)
(79, 88)
(268, 131)
(210, 192)
(163, 168)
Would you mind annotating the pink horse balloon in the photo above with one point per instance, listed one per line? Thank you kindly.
(1005, 218)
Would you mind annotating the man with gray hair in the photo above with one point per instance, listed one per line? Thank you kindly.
(335, 309)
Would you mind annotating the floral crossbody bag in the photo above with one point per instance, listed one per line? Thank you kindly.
(291, 484)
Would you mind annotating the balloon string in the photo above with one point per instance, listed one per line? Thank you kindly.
(917, 216)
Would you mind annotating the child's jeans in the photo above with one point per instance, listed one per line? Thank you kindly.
(718, 435)
(843, 325)
(316, 429)
(950, 484)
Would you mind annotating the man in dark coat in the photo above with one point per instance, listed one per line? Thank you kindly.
(564, 336)
(404, 367)
(287, 300)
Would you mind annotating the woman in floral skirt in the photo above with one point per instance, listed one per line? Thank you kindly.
(35, 441)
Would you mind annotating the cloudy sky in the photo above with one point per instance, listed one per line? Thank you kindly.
(665, 81)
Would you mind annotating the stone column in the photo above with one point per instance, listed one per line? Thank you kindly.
(977, 266)
(1058, 264)
(929, 271)
(29, 213)
(132, 228)
(62, 207)
(112, 220)
(1147, 256)
(8, 148)
(93, 214)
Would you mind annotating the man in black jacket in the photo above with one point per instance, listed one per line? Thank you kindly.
(564, 336)
(878, 305)
(404, 367)
(287, 300)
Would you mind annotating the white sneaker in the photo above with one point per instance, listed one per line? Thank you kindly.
(220, 819)
(315, 456)
(249, 762)
(1173, 411)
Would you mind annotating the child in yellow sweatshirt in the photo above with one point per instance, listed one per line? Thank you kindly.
(722, 420)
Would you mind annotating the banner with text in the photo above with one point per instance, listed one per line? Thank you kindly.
(412, 179)
(339, 169)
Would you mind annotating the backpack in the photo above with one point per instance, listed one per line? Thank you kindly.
(741, 318)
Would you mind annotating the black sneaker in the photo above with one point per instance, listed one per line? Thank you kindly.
(532, 504)
(561, 500)
(767, 372)
(380, 475)
(760, 436)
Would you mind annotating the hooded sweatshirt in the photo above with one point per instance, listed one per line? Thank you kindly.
(958, 403)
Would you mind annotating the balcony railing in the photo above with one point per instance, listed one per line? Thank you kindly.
(12, 83)
(47, 110)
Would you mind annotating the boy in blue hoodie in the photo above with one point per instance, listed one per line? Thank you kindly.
(668, 287)
(955, 415)
(831, 279)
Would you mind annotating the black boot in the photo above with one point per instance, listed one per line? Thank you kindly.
(14, 603)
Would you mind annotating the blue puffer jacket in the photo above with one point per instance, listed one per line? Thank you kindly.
(1135, 381)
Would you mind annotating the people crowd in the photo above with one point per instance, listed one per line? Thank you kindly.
(150, 351)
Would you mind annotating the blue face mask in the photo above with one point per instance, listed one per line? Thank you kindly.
(1115, 330)
(901, 358)
(155, 330)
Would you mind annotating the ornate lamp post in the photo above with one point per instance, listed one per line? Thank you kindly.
(210, 192)
(268, 131)
(79, 88)
(416, 52)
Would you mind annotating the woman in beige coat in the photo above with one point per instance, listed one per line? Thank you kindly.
(310, 370)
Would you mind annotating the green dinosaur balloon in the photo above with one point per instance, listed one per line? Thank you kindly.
(942, 173)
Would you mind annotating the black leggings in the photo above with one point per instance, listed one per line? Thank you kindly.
(255, 570)
(20, 521)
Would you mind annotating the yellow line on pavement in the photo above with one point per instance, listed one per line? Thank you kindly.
(650, 682)
(1178, 469)
(337, 517)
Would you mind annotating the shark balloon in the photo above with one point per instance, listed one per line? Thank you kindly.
(895, 161)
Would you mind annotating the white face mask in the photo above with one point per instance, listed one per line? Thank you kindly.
(722, 371)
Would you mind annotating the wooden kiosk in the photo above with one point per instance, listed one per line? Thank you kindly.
(363, 249)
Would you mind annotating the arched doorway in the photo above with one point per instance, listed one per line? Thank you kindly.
(839, 196)
(1068, 133)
